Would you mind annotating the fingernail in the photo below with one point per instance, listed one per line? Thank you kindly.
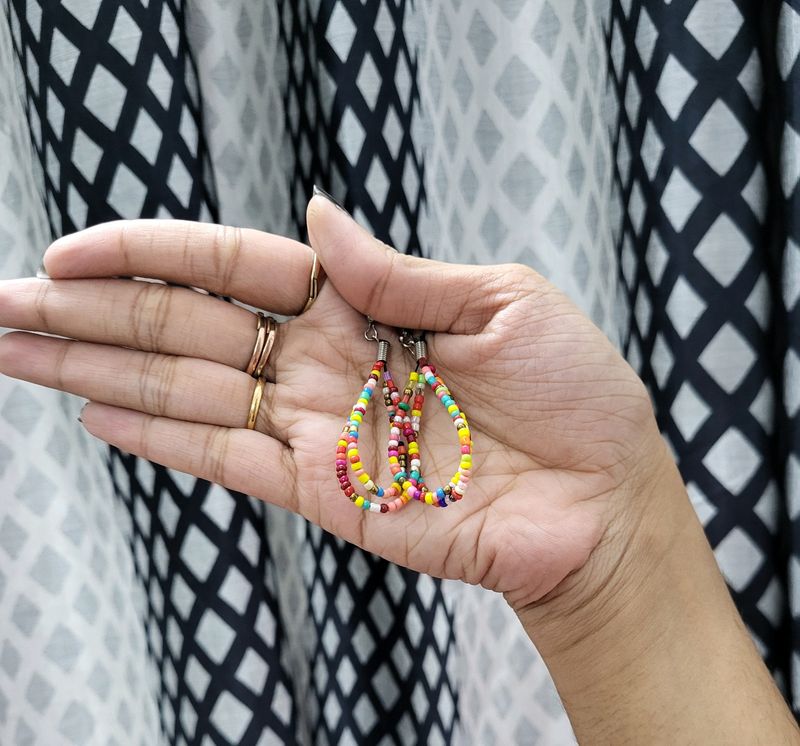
(80, 416)
(41, 273)
(322, 193)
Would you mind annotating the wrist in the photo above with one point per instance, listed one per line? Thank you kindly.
(644, 642)
(646, 519)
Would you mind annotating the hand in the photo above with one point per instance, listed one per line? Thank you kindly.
(563, 430)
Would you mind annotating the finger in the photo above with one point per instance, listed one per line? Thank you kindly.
(262, 269)
(407, 291)
(142, 315)
(241, 460)
(180, 388)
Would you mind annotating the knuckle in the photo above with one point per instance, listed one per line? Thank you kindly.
(226, 247)
(40, 304)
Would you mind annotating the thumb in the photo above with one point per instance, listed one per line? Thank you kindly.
(400, 290)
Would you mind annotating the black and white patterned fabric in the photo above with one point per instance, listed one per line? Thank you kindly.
(642, 154)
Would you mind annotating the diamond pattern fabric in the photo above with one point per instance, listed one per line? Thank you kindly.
(618, 148)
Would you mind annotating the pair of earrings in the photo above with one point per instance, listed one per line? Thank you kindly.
(405, 419)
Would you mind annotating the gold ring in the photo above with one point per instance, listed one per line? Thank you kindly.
(261, 333)
(313, 283)
(255, 403)
(270, 328)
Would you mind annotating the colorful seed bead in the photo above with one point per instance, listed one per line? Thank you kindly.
(347, 449)
(414, 487)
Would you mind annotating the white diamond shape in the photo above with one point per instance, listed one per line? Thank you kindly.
(793, 485)
(105, 97)
(369, 81)
(86, 156)
(364, 714)
(714, 23)
(85, 12)
(661, 361)
(377, 183)
(159, 81)
(791, 275)
(199, 553)
(719, 138)
(723, 251)
(771, 603)
(214, 635)
(755, 193)
(759, 302)
(674, 87)
(684, 307)
(230, 717)
(632, 100)
(727, 358)
(732, 461)
(751, 79)
(739, 558)
(643, 312)
(350, 135)
(236, 590)
(127, 193)
(656, 257)
(679, 200)
(126, 35)
(384, 28)
(788, 45)
(652, 149)
(767, 507)
(646, 38)
(791, 376)
(340, 32)
(253, 671)
(790, 159)
(704, 509)
(636, 208)
(763, 407)
(689, 411)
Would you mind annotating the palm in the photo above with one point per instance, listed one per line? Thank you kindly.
(556, 416)
(548, 438)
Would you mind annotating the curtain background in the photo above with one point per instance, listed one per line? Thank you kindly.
(642, 154)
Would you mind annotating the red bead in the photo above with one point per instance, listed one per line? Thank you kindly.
(354, 459)
(384, 508)
(349, 491)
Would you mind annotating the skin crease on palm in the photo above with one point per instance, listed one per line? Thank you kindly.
(563, 430)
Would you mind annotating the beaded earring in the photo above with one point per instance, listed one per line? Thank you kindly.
(347, 455)
(414, 486)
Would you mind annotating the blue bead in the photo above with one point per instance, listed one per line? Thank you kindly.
(380, 492)
(366, 505)
(440, 494)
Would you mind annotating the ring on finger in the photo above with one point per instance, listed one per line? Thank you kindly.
(265, 339)
(313, 283)
(255, 402)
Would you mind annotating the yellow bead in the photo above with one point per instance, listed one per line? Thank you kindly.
(363, 402)
(452, 408)
(359, 501)
(342, 443)
(393, 459)
(357, 466)
(363, 478)
(428, 498)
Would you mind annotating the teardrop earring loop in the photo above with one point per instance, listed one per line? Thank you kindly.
(414, 487)
(347, 454)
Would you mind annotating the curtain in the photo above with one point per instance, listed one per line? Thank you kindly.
(643, 155)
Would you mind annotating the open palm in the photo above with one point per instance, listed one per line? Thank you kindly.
(559, 422)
